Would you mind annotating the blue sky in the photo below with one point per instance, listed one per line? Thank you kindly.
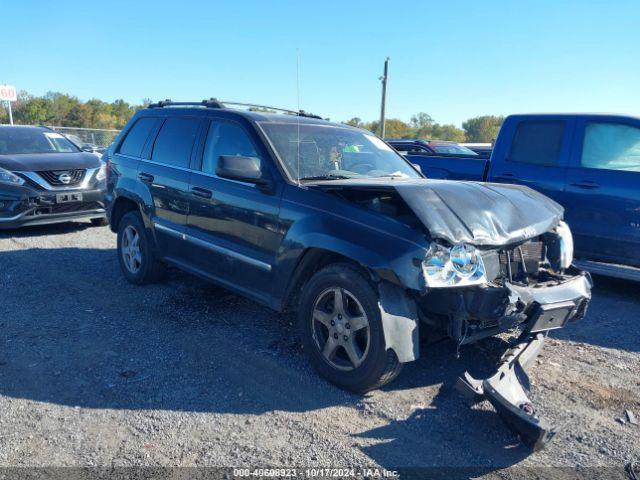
(453, 59)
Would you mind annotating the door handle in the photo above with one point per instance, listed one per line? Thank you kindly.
(201, 192)
(586, 184)
(145, 177)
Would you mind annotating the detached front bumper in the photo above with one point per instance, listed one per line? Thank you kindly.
(545, 308)
(506, 391)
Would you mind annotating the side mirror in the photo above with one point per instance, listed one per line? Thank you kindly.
(417, 167)
(242, 169)
(87, 148)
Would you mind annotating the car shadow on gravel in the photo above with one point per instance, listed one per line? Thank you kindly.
(73, 332)
(45, 230)
(464, 445)
(475, 436)
(462, 435)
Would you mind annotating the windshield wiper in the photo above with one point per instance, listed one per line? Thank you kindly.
(328, 176)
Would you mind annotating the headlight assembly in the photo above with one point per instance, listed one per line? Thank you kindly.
(458, 266)
(102, 173)
(11, 178)
(566, 244)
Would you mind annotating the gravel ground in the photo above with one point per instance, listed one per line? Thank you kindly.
(96, 372)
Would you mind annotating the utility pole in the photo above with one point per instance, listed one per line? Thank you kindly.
(383, 79)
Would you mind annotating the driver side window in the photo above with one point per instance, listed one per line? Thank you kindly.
(225, 138)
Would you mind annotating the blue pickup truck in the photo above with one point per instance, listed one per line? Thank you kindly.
(588, 163)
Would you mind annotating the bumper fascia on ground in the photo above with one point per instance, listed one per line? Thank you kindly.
(506, 391)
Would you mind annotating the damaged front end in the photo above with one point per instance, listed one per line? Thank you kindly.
(497, 259)
(521, 287)
(526, 291)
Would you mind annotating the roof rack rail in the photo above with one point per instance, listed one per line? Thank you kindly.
(211, 103)
(300, 113)
(215, 103)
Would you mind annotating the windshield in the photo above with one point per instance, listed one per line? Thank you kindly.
(18, 140)
(328, 152)
(452, 149)
(77, 141)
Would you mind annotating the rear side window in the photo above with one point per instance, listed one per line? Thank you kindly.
(539, 143)
(611, 146)
(225, 139)
(137, 136)
(175, 141)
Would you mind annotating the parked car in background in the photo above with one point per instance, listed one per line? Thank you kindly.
(588, 163)
(299, 213)
(482, 149)
(82, 145)
(430, 147)
(44, 178)
(416, 149)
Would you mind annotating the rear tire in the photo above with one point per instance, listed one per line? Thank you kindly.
(339, 346)
(137, 260)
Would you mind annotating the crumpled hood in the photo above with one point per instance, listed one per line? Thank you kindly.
(37, 162)
(482, 214)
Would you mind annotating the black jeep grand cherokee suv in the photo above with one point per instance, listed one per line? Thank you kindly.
(44, 178)
(297, 212)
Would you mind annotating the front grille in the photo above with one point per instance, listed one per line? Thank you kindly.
(523, 259)
(60, 177)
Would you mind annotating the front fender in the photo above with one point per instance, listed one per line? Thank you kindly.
(394, 260)
(388, 256)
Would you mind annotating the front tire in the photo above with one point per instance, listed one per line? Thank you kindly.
(137, 260)
(342, 332)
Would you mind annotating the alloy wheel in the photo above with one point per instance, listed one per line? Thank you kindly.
(130, 249)
(340, 328)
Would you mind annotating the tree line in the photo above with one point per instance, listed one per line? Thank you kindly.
(482, 129)
(64, 110)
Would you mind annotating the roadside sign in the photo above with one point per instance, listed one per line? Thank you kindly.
(8, 93)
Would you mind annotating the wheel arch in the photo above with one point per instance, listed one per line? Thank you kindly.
(397, 308)
(310, 261)
(121, 207)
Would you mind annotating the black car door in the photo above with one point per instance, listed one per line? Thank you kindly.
(233, 225)
(166, 176)
(135, 146)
